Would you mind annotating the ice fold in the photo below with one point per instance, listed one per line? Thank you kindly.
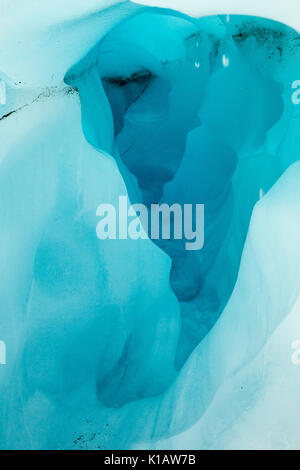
(120, 343)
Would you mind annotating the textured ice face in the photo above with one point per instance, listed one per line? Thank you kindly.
(166, 108)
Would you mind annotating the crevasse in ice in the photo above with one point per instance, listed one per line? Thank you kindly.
(117, 344)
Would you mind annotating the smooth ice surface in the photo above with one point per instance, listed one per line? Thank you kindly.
(286, 11)
(117, 344)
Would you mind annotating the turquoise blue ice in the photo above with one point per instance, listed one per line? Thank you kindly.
(128, 344)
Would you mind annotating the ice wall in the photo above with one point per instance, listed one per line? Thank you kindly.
(126, 344)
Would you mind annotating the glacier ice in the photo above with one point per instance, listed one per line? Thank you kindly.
(118, 344)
